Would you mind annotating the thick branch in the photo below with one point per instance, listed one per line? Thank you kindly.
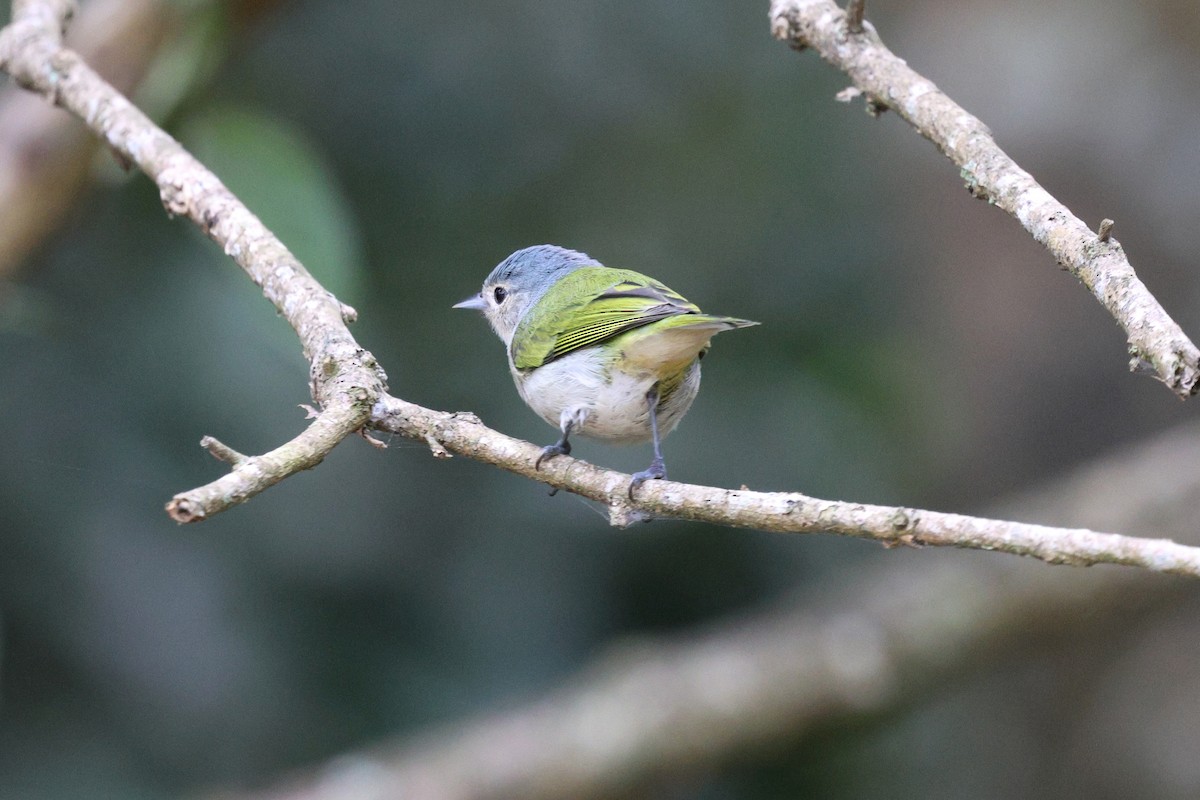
(888, 634)
(778, 511)
(1099, 262)
(345, 379)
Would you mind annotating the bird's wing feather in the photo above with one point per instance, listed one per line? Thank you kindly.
(607, 302)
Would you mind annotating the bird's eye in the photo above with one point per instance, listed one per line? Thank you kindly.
(500, 293)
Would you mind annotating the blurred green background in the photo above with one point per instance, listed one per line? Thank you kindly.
(916, 348)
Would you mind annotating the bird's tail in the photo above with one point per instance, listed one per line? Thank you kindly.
(710, 322)
(670, 345)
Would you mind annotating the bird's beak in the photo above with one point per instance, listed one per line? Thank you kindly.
(475, 301)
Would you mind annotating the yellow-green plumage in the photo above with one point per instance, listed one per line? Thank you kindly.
(600, 303)
(587, 307)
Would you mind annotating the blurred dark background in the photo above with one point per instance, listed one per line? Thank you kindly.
(916, 347)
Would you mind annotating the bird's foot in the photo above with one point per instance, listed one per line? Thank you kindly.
(657, 471)
(562, 448)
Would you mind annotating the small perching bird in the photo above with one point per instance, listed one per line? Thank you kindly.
(610, 354)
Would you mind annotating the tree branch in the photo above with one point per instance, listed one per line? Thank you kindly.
(350, 386)
(778, 511)
(1098, 261)
(890, 633)
(252, 474)
(345, 379)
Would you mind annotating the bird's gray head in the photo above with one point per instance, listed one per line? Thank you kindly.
(519, 281)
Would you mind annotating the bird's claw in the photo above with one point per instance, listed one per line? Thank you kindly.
(551, 450)
(657, 471)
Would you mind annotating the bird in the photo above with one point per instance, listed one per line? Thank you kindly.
(609, 354)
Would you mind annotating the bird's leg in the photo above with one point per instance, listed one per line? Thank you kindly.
(657, 469)
(571, 418)
(560, 448)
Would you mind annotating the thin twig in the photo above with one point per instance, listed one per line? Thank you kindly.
(222, 451)
(1105, 230)
(992, 175)
(781, 512)
(854, 15)
(253, 474)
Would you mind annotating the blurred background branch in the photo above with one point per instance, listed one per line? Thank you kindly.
(45, 155)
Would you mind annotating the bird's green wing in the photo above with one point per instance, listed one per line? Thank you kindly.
(589, 306)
